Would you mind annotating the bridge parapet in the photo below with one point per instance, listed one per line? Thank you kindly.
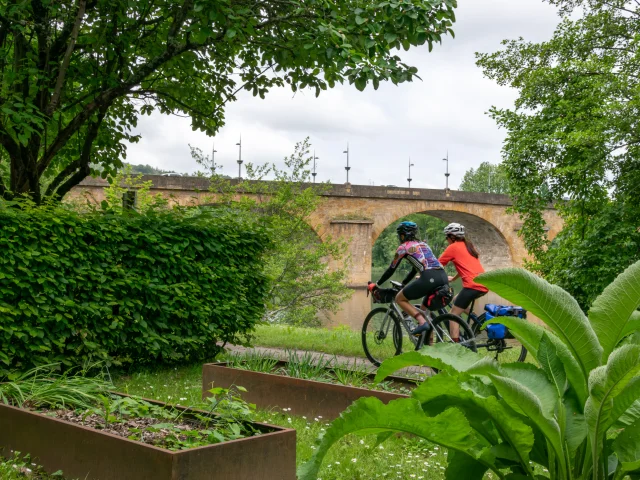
(201, 184)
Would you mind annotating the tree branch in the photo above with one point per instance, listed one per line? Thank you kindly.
(107, 97)
(55, 99)
(78, 169)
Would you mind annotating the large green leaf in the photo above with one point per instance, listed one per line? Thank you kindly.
(443, 356)
(552, 365)
(626, 406)
(605, 384)
(460, 465)
(575, 430)
(526, 402)
(611, 312)
(369, 415)
(451, 390)
(530, 335)
(554, 306)
(633, 325)
(627, 447)
(535, 380)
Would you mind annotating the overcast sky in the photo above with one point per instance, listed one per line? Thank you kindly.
(446, 111)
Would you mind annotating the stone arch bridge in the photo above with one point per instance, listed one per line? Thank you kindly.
(359, 214)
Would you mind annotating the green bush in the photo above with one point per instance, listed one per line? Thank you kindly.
(164, 286)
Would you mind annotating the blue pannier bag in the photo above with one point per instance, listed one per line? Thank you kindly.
(498, 331)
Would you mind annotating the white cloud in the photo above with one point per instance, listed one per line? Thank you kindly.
(445, 111)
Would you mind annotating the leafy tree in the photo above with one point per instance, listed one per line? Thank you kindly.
(572, 138)
(301, 285)
(486, 178)
(75, 75)
(124, 181)
(575, 416)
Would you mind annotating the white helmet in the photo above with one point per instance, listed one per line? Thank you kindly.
(454, 229)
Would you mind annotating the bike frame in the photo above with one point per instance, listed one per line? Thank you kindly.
(417, 341)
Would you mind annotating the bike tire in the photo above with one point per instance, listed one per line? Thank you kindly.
(481, 338)
(440, 331)
(372, 345)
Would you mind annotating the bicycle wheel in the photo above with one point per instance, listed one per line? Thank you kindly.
(381, 335)
(440, 332)
(506, 350)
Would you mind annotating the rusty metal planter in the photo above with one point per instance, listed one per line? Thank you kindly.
(304, 397)
(82, 452)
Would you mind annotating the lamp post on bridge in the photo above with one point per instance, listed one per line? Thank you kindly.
(314, 166)
(447, 172)
(409, 178)
(240, 158)
(347, 168)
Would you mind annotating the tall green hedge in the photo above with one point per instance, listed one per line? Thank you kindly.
(164, 286)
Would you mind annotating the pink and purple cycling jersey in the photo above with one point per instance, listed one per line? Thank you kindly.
(418, 254)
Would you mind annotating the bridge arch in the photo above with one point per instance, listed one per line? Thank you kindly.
(491, 243)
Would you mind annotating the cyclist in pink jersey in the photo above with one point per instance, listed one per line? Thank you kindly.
(421, 258)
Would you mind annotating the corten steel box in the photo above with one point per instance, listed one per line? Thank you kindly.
(304, 397)
(86, 453)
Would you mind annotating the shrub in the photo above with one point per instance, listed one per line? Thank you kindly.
(164, 286)
(576, 416)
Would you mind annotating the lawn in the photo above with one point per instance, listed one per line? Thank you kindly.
(336, 341)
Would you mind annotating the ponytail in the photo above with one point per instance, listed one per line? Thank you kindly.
(471, 248)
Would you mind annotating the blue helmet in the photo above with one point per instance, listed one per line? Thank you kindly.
(408, 229)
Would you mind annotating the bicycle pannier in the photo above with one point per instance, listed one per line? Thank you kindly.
(384, 295)
(440, 298)
(498, 331)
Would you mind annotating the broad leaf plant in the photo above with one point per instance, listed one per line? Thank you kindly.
(574, 416)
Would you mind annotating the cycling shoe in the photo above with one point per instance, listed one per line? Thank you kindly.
(425, 327)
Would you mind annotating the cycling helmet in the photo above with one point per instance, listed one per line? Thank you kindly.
(408, 229)
(454, 229)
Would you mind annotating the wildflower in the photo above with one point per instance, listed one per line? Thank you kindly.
(354, 460)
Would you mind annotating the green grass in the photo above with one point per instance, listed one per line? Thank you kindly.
(354, 458)
(20, 468)
(337, 341)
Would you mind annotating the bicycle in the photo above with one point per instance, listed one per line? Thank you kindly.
(498, 345)
(382, 330)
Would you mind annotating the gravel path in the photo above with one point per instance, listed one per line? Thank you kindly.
(281, 354)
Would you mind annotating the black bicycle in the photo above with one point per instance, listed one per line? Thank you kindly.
(385, 328)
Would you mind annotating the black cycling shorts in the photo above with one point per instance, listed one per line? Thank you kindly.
(466, 296)
(425, 284)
